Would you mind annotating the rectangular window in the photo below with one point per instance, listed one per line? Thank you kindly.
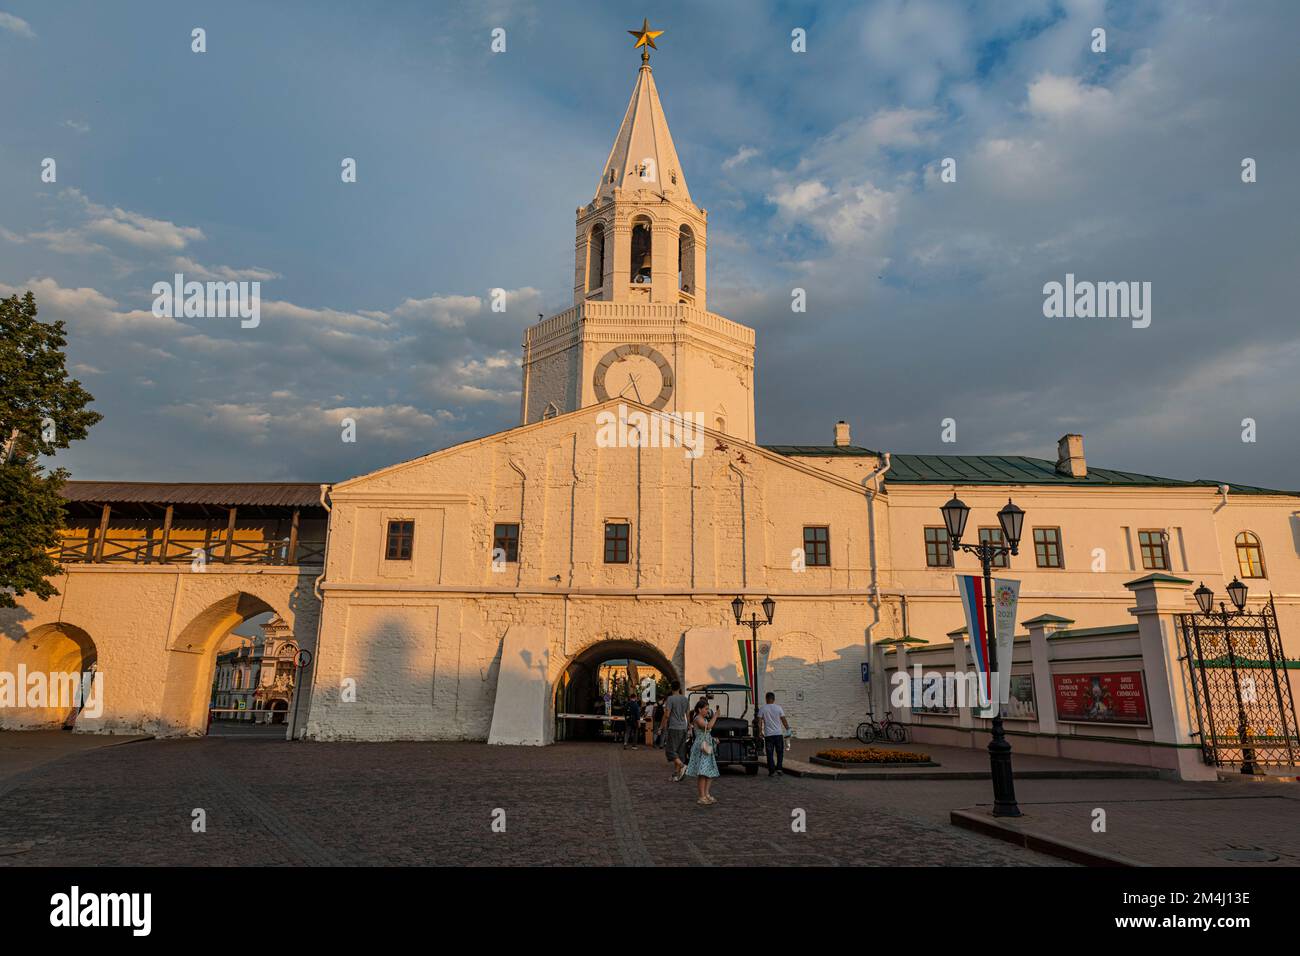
(817, 547)
(994, 536)
(505, 541)
(401, 534)
(1047, 547)
(937, 552)
(616, 542)
(1155, 556)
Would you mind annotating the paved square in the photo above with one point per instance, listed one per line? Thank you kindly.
(269, 803)
(75, 800)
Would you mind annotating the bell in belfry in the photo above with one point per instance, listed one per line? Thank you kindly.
(643, 271)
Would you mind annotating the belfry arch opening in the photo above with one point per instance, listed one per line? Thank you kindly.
(603, 668)
(686, 260)
(642, 250)
(596, 259)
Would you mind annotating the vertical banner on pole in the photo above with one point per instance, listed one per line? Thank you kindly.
(971, 588)
(1006, 601)
(760, 670)
(747, 665)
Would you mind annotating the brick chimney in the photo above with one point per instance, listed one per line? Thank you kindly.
(842, 434)
(1069, 457)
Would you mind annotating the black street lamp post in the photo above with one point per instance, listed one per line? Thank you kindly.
(1205, 599)
(769, 609)
(1012, 520)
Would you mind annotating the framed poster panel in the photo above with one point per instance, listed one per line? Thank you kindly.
(1104, 697)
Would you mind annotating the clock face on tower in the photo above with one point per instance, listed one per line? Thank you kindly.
(637, 372)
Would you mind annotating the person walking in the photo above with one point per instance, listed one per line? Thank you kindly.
(673, 729)
(631, 720)
(704, 761)
(656, 719)
(775, 727)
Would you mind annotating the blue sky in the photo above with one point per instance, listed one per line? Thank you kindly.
(819, 171)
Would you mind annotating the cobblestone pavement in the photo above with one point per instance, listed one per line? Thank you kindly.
(1225, 824)
(269, 803)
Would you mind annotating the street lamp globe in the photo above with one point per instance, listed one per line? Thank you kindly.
(769, 608)
(1237, 591)
(1012, 519)
(955, 514)
(1204, 598)
(738, 607)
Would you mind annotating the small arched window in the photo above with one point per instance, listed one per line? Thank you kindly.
(1250, 556)
(596, 258)
(239, 679)
(641, 251)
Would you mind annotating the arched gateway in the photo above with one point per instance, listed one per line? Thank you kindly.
(580, 687)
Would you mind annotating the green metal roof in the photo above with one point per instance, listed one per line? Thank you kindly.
(1020, 470)
(1004, 470)
(822, 451)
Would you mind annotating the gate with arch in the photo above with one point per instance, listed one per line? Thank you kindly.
(576, 693)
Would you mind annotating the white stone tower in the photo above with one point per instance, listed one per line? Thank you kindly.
(640, 327)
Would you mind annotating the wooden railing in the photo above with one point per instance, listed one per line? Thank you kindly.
(186, 549)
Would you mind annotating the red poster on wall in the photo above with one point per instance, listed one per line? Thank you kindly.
(1111, 698)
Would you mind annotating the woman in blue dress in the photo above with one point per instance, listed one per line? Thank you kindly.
(704, 762)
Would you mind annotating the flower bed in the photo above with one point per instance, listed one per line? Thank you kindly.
(873, 755)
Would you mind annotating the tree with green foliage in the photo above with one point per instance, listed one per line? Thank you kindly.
(41, 410)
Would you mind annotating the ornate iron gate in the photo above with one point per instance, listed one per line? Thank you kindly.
(1245, 710)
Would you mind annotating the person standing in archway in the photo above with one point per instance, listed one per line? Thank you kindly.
(704, 759)
(631, 719)
(673, 730)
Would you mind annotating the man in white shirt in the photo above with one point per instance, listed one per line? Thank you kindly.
(775, 727)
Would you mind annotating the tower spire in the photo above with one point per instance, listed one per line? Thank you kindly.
(643, 156)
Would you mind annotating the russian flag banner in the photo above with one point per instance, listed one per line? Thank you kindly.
(971, 588)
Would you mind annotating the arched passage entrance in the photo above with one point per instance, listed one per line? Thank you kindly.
(54, 660)
(192, 660)
(580, 688)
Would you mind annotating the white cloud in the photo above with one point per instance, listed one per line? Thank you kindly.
(16, 25)
(799, 200)
(742, 156)
(194, 270)
(144, 232)
(444, 311)
(1066, 97)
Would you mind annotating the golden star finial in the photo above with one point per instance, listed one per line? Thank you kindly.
(645, 37)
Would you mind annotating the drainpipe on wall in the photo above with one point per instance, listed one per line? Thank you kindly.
(871, 487)
(320, 616)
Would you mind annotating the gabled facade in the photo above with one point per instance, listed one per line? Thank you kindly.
(533, 545)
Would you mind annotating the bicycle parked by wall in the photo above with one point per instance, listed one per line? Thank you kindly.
(888, 729)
